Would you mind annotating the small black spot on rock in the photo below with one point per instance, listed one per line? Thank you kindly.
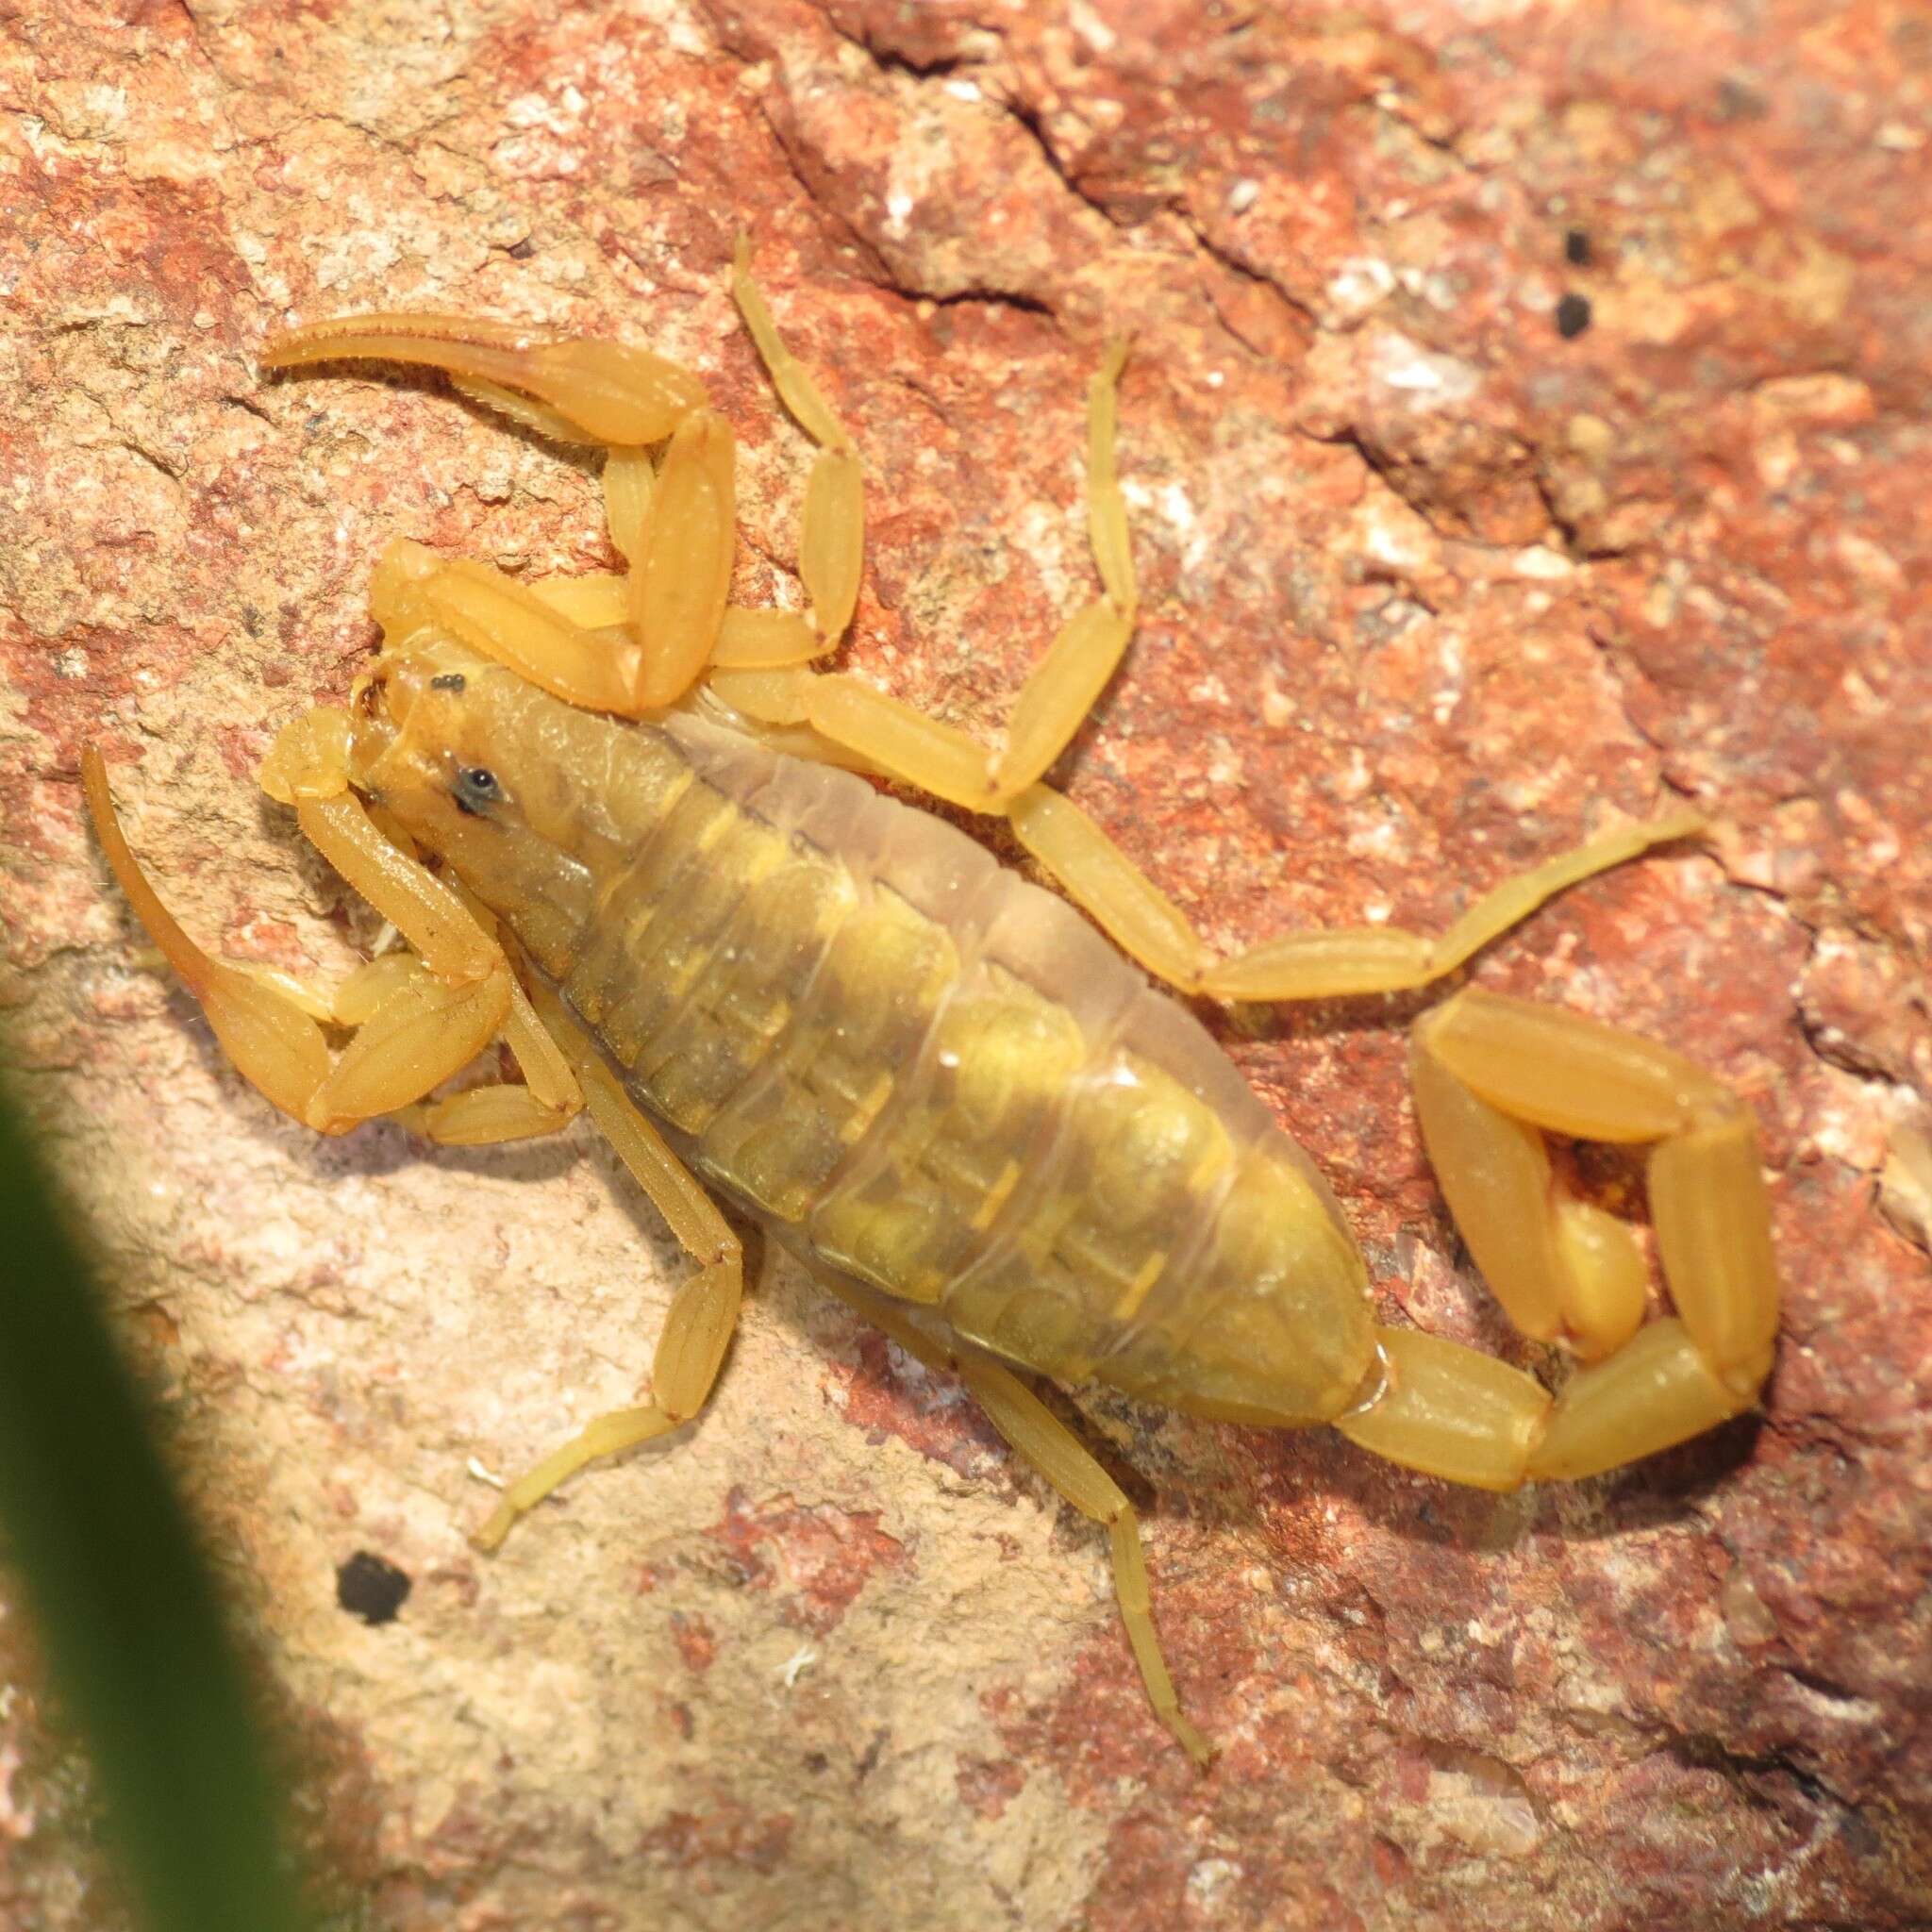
(1573, 316)
(1737, 100)
(1576, 248)
(368, 1588)
(521, 250)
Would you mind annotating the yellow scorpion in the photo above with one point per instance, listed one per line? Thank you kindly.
(608, 818)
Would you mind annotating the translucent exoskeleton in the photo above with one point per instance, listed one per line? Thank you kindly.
(618, 822)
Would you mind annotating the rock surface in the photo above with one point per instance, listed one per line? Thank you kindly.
(1527, 420)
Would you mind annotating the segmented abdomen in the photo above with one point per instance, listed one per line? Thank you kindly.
(936, 1076)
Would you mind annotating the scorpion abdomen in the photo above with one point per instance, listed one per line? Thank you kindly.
(928, 1072)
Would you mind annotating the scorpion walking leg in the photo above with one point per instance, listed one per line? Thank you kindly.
(831, 551)
(848, 720)
(1066, 683)
(1037, 1435)
(1330, 964)
(887, 735)
(1492, 1076)
(703, 1314)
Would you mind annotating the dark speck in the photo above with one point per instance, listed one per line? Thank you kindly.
(447, 681)
(1573, 316)
(1737, 100)
(521, 250)
(370, 1589)
(1576, 248)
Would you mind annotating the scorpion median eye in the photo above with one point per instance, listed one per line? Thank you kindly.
(476, 787)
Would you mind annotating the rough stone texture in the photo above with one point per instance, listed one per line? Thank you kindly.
(1431, 585)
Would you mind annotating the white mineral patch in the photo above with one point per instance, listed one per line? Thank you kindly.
(1428, 380)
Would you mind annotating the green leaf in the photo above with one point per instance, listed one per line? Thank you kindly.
(124, 1606)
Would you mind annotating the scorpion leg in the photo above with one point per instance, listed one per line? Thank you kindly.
(1492, 1076)
(831, 549)
(839, 719)
(1037, 1434)
(1067, 682)
(846, 721)
(881, 732)
(1055, 1455)
(681, 576)
(703, 1313)
(1334, 962)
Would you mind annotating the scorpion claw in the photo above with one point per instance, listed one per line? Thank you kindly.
(587, 390)
(274, 1043)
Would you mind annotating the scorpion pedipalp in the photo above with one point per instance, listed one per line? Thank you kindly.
(594, 392)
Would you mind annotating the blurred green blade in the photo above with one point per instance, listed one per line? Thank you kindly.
(121, 1600)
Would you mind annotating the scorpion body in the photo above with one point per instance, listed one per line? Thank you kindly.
(917, 1066)
(930, 1079)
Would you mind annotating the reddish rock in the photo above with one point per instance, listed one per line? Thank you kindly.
(1527, 420)
(819, 1559)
